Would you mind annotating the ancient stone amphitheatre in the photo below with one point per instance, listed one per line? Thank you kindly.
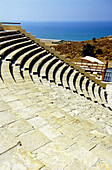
(53, 115)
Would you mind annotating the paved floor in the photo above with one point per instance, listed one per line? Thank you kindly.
(46, 126)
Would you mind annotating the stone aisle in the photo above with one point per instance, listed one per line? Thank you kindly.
(44, 125)
(49, 127)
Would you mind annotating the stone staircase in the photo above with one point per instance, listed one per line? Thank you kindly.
(53, 115)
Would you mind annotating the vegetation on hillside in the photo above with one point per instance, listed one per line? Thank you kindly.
(102, 48)
(88, 50)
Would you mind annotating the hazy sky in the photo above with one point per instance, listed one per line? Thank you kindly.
(55, 10)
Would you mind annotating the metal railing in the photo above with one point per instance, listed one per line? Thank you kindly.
(93, 67)
(12, 23)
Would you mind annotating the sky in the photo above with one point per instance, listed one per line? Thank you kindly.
(55, 10)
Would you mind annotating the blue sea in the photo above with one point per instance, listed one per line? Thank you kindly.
(70, 31)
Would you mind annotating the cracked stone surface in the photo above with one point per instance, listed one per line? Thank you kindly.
(46, 126)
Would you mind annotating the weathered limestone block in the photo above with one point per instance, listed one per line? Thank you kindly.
(85, 140)
(97, 155)
(29, 112)
(7, 117)
(77, 151)
(4, 106)
(7, 140)
(50, 131)
(33, 140)
(63, 142)
(109, 92)
(76, 165)
(37, 122)
(52, 156)
(57, 123)
(19, 159)
(19, 127)
(71, 130)
(15, 105)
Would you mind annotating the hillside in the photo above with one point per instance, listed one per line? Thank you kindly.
(72, 49)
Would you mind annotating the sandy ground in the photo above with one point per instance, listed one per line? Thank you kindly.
(49, 42)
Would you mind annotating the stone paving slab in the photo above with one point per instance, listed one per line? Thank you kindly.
(50, 131)
(63, 142)
(97, 156)
(37, 122)
(16, 105)
(29, 112)
(7, 140)
(85, 141)
(4, 106)
(7, 117)
(52, 156)
(57, 123)
(33, 140)
(71, 130)
(19, 159)
(19, 127)
(77, 152)
(76, 165)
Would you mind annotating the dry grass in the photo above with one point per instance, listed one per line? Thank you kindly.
(72, 49)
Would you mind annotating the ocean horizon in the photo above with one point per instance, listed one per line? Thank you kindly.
(69, 31)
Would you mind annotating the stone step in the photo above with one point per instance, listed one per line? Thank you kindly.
(17, 74)
(84, 88)
(38, 60)
(7, 140)
(11, 42)
(16, 158)
(50, 65)
(43, 71)
(14, 46)
(59, 74)
(103, 94)
(62, 73)
(78, 83)
(9, 37)
(90, 89)
(42, 61)
(35, 79)
(15, 53)
(6, 74)
(29, 61)
(56, 73)
(97, 94)
(26, 75)
(64, 78)
(72, 80)
(9, 32)
(12, 57)
(61, 92)
(26, 55)
(51, 70)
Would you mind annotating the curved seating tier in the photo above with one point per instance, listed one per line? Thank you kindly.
(24, 59)
(46, 119)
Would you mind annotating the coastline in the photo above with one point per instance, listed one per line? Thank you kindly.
(50, 42)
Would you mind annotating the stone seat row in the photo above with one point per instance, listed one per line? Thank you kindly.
(48, 127)
(22, 58)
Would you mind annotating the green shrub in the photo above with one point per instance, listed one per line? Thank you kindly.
(99, 51)
(88, 50)
(94, 39)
